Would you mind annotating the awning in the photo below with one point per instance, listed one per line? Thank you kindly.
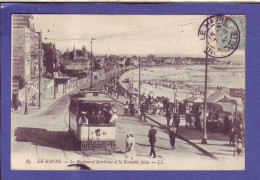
(195, 100)
(220, 97)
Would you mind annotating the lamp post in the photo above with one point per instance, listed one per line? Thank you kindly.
(175, 104)
(91, 77)
(39, 67)
(54, 89)
(204, 137)
(139, 93)
(27, 85)
(40, 53)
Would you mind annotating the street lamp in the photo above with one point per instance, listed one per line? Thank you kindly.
(39, 64)
(175, 104)
(139, 81)
(91, 78)
(204, 137)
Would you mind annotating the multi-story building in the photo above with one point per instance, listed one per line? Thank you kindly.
(50, 59)
(23, 20)
(26, 44)
(34, 49)
(21, 52)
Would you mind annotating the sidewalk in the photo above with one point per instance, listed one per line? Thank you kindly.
(218, 144)
(46, 102)
(49, 100)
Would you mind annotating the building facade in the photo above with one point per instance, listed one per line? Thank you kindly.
(50, 59)
(21, 52)
(26, 44)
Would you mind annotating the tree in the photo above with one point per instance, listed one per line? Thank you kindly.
(127, 62)
(84, 49)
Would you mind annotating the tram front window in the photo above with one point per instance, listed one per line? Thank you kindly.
(97, 113)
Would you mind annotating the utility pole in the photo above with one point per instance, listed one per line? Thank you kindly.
(175, 104)
(91, 78)
(139, 81)
(54, 89)
(204, 137)
(39, 66)
(26, 97)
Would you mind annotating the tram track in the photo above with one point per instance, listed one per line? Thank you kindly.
(63, 136)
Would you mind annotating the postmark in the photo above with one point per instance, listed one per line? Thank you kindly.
(221, 34)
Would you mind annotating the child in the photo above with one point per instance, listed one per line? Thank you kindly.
(238, 148)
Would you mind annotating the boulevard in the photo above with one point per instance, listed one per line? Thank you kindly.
(44, 141)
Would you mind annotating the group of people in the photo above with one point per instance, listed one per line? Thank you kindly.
(99, 117)
(130, 142)
(194, 115)
(172, 111)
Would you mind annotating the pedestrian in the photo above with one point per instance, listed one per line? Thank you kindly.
(142, 109)
(131, 147)
(168, 116)
(127, 142)
(241, 133)
(132, 109)
(232, 136)
(114, 118)
(226, 124)
(126, 109)
(152, 140)
(238, 148)
(19, 105)
(172, 135)
(176, 119)
(117, 95)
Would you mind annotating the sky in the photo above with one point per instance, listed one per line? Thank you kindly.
(125, 34)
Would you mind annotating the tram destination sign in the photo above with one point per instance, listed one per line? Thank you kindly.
(239, 93)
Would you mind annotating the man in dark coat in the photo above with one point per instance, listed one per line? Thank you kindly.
(172, 135)
(142, 109)
(132, 109)
(168, 116)
(152, 140)
(232, 136)
(226, 124)
(176, 120)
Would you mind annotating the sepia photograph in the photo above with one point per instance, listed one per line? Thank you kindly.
(127, 92)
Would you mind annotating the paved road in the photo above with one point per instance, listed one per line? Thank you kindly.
(42, 142)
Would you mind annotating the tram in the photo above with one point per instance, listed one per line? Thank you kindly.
(90, 121)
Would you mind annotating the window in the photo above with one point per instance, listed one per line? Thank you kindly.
(73, 107)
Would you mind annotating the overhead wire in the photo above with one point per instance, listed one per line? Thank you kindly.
(130, 33)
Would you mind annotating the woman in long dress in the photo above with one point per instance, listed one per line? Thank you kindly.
(131, 147)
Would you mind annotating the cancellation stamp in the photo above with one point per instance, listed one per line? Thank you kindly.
(221, 34)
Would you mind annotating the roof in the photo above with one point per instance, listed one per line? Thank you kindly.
(220, 97)
(96, 99)
(92, 97)
(195, 99)
(70, 67)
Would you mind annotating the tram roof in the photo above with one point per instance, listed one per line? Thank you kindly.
(95, 99)
(92, 97)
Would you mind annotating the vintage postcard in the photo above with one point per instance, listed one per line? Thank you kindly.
(128, 92)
